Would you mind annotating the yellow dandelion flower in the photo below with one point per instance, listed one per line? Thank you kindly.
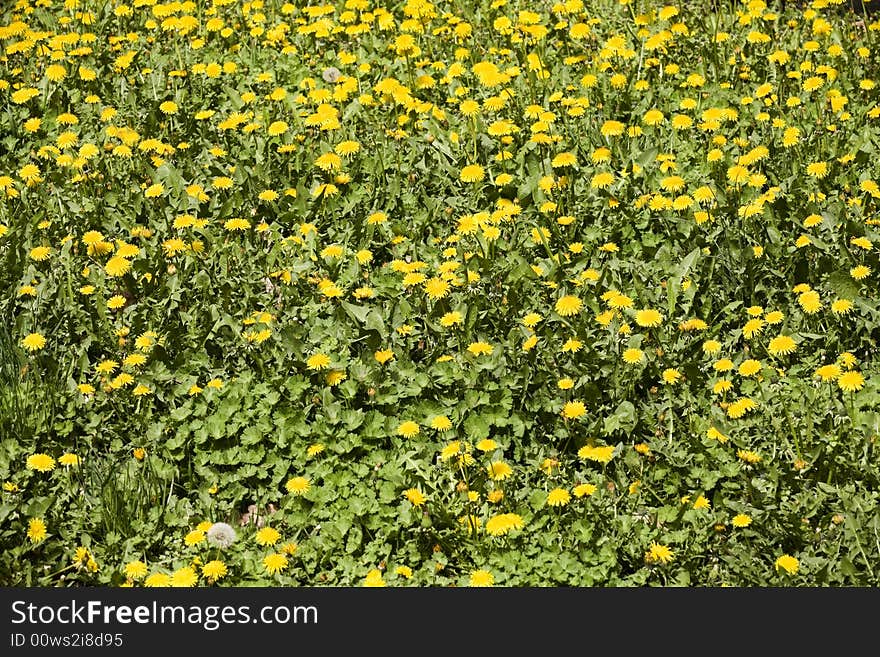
(504, 523)
(415, 496)
(573, 410)
(33, 341)
(600, 454)
(584, 490)
(267, 536)
(318, 361)
(659, 553)
(633, 355)
(275, 563)
(499, 470)
(36, 532)
(40, 462)
(408, 429)
(298, 485)
(741, 520)
(558, 497)
(374, 579)
(472, 173)
(787, 563)
(568, 305)
(782, 345)
(481, 578)
(851, 381)
(810, 301)
(649, 318)
(135, 570)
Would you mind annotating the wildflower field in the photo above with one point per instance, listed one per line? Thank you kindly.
(439, 293)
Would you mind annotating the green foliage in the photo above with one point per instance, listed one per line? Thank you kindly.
(393, 284)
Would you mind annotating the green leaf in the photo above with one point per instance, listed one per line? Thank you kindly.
(357, 313)
(180, 414)
(673, 285)
(476, 427)
(843, 285)
(624, 417)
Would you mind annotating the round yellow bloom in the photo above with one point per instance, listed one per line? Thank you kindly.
(214, 570)
(649, 318)
(558, 497)
(441, 423)
(741, 520)
(499, 470)
(573, 410)
(157, 580)
(860, 272)
(633, 356)
(810, 301)
(563, 160)
(851, 381)
(408, 429)
(40, 462)
(750, 367)
(612, 128)
(748, 456)
(481, 578)
(135, 570)
(671, 376)
(451, 319)
(486, 445)
(841, 306)
(274, 563)
(374, 579)
(277, 128)
(40, 253)
(117, 266)
(36, 530)
(480, 348)
(267, 536)
(116, 302)
(602, 180)
(34, 342)
(658, 553)
(236, 223)
(782, 345)
(382, 356)
(584, 490)
(568, 305)
(68, 459)
(472, 173)
(653, 117)
(436, 287)
(711, 346)
(23, 95)
(185, 577)
(298, 485)
(318, 361)
(787, 563)
(828, 372)
(600, 454)
(503, 524)
(415, 496)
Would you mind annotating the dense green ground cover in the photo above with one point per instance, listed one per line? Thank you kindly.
(429, 294)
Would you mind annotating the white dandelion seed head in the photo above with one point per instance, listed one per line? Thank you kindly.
(221, 535)
(331, 74)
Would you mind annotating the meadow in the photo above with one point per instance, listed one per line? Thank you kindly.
(492, 293)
